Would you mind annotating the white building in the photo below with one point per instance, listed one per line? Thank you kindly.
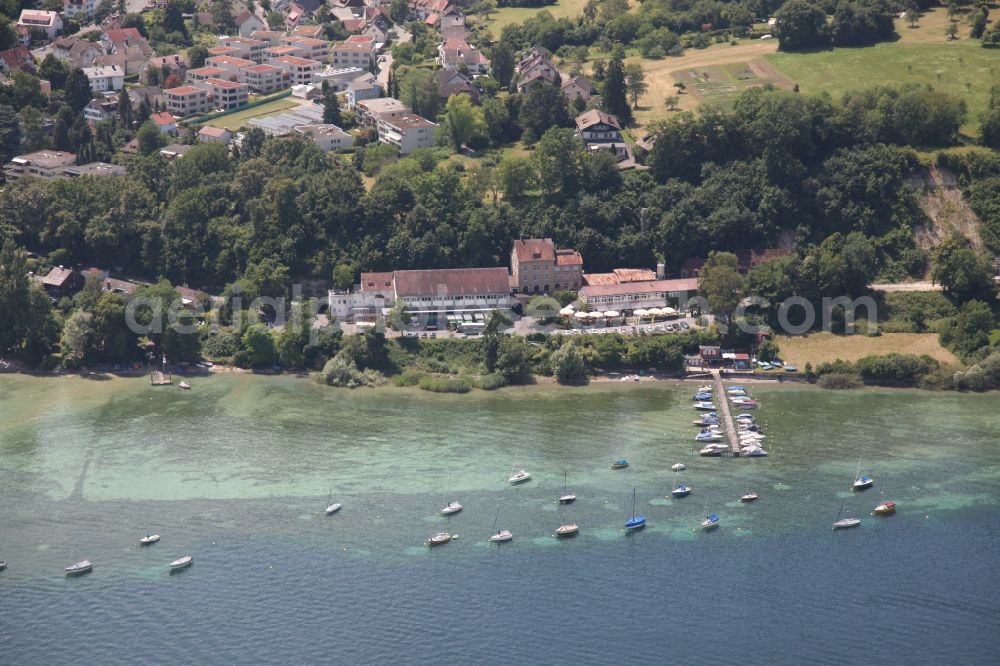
(79, 9)
(103, 79)
(326, 137)
(627, 296)
(298, 70)
(407, 132)
(48, 22)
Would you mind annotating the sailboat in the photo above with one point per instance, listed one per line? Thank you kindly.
(842, 523)
(181, 563)
(567, 497)
(519, 476)
(331, 506)
(749, 497)
(566, 529)
(439, 539)
(680, 490)
(862, 481)
(634, 522)
(149, 538)
(711, 521)
(451, 506)
(81, 567)
(499, 536)
(883, 508)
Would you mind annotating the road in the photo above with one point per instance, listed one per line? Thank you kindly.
(385, 60)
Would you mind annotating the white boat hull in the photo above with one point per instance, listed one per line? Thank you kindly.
(149, 539)
(454, 507)
(502, 536)
(519, 477)
(333, 508)
(846, 522)
(181, 563)
(567, 530)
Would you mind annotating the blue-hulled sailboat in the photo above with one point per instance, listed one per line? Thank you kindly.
(634, 522)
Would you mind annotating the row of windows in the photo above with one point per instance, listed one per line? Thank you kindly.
(557, 269)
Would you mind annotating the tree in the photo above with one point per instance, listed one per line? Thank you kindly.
(10, 133)
(614, 94)
(801, 25)
(493, 334)
(418, 89)
(978, 24)
(125, 109)
(399, 11)
(542, 107)
(78, 336)
(951, 31)
(558, 162)
(173, 19)
(514, 359)
(150, 138)
(464, 121)
(961, 270)
(515, 176)
(913, 17)
(502, 62)
(196, 56)
(331, 106)
(635, 83)
(721, 284)
(567, 364)
(259, 345)
(78, 92)
(54, 71)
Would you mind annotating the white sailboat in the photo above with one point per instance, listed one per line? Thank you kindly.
(181, 563)
(566, 497)
(499, 536)
(519, 476)
(331, 506)
(862, 481)
(842, 523)
(749, 496)
(149, 538)
(451, 506)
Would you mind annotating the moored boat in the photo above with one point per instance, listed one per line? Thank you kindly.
(519, 476)
(677, 467)
(862, 481)
(749, 496)
(439, 539)
(680, 490)
(701, 396)
(181, 563)
(621, 463)
(569, 529)
(3, 565)
(883, 508)
(843, 523)
(713, 450)
(502, 536)
(185, 386)
(711, 522)
(566, 497)
(450, 508)
(81, 567)
(704, 406)
(634, 522)
(149, 539)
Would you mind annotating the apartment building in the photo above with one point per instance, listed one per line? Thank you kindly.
(299, 70)
(187, 101)
(263, 79)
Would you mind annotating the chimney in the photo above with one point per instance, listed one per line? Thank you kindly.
(661, 270)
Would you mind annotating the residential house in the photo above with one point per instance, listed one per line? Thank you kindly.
(230, 64)
(430, 294)
(282, 50)
(203, 73)
(245, 47)
(453, 82)
(453, 25)
(165, 122)
(367, 112)
(298, 70)
(456, 53)
(23, 36)
(17, 59)
(624, 276)
(307, 91)
(263, 79)
(269, 37)
(174, 64)
(348, 54)
(377, 26)
(534, 60)
(602, 132)
(218, 50)
(364, 87)
(247, 23)
(225, 94)
(153, 96)
(46, 164)
(105, 78)
(82, 11)
(577, 89)
(48, 22)
(204, 19)
(76, 52)
(62, 282)
(210, 134)
(407, 132)
(102, 107)
(314, 31)
(307, 47)
(185, 101)
(94, 169)
(326, 137)
(536, 266)
(174, 151)
(629, 296)
(126, 48)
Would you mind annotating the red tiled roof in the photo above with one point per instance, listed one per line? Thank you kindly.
(568, 258)
(122, 34)
(594, 117)
(260, 69)
(376, 281)
(452, 282)
(217, 132)
(293, 60)
(163, 118)
(600, 279)
(225, 83)
(17, 57)
(634, 274)
(186, 90)
(205, 71)
(535, 249)
(639, 288)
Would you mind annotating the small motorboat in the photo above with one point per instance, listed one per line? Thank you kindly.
(519, 476)
(704, 406)
(754, 452)
(81, 567)
(569, 529)
(713, 450)
(3, 565)
(181, 563)
(149, 539)
(677, 467)
(681, 490)
(884, 508)
(790, 368)
(701, 423)
(568, 498)
(745, 417)
(745, 403)
(501, 536)
(702, 396)
(749, 497)
(709, 436)
(621, 463)
(711, 522)
(185, 386)
(736, 392)
(450, 508)
(706, 388)
(439, 539)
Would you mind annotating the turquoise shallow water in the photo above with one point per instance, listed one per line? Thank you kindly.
(236, 472)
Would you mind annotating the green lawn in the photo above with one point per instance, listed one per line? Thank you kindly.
(235, 121)
(961, 67)
(508, 15)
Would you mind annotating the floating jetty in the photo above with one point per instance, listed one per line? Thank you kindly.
(159, 378)
(727, 415)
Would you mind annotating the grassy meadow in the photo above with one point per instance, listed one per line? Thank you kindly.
(819, 348)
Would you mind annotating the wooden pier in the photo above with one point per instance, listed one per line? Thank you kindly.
(727, 415)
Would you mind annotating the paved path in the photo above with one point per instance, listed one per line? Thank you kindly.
(908, 286)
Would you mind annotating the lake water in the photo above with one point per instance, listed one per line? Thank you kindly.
(237, 472)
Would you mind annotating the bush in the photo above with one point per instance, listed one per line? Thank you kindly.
(840, 380)
(445, 384)
(491, 382)
(895, 369)
(409, 377)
